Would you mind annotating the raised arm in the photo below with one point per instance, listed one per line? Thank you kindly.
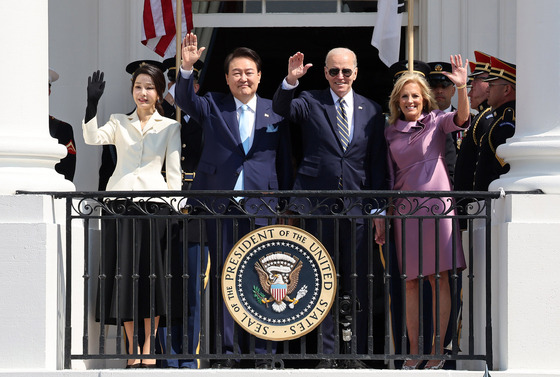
(296, 68)
(459, 77)
(95, 89)
(190, 51)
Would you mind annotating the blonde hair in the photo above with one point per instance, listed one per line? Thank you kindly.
(429, 102)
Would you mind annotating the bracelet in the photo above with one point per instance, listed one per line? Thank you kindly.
(462, 86)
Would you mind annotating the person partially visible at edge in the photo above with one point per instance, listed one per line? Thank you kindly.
(416, 146)
(501, 97)
(443, 90)
(470, 147)
(64, 133)
(192, 142)
(144, 140)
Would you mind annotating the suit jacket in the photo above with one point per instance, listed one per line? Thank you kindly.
(141, 152)
(267, 165)
(470, 148)
(362, 166)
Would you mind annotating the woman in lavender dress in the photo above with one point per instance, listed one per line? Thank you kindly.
(416, 148)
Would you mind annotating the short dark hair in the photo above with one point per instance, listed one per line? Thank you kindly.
(159, 81)
(243, 52)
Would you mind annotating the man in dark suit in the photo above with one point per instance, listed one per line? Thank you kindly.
(245, 148)
(350, 155)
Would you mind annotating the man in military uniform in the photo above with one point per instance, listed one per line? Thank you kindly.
(480, 123)
(501, 97)
(443, 91)
(192, 141)
(63, 132)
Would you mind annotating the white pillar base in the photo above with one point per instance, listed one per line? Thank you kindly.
(29, 260)
(28, 164)
(535, 165)
(525, 294)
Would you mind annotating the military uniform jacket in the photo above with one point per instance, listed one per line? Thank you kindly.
(63, 132)
(469, 149)
(490, 166)
(192, 141)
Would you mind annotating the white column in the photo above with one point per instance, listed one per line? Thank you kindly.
(533, 151)
(31, 227)
(526, 227)
(27, 151)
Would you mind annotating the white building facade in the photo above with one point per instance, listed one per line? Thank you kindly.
(76, 37)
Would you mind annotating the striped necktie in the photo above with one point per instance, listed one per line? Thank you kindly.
(343, 130)
(342, 124)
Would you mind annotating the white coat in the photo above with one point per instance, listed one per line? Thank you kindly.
(140, 153)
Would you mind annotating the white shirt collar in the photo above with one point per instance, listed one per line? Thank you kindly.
(252, 104)
(348, 98)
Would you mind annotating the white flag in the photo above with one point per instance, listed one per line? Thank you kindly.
(387, 31)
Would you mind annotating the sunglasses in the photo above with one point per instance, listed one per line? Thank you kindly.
(346, 72)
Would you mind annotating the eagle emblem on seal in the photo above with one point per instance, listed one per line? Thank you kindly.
(278, 276)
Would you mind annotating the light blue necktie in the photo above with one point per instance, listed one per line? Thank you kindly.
(244, 128)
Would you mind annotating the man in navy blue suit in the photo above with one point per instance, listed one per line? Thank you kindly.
(246, 147)
(348, 155)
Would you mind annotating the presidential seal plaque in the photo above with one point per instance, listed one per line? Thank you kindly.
(278, 282)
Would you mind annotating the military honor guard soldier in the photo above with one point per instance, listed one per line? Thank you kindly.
(480, 123)
(63, 132)
(192, 142)
(501, 97)
(444, 90)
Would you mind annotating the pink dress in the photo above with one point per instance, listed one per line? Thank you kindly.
(416, 163)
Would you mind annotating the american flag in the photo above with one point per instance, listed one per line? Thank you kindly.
(158, 25)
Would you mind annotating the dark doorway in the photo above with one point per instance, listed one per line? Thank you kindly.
(276, 45)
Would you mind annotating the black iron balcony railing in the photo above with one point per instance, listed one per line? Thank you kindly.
(368, 323)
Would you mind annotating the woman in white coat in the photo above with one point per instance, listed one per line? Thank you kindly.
(133, 250)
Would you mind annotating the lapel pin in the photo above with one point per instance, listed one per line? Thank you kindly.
(359, 107)
(266, 115)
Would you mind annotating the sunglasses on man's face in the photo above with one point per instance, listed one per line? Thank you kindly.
(346, 72)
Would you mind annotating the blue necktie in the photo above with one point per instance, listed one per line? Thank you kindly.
(244, 132)
(343, 130)
(342, 124)
(244, 128)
